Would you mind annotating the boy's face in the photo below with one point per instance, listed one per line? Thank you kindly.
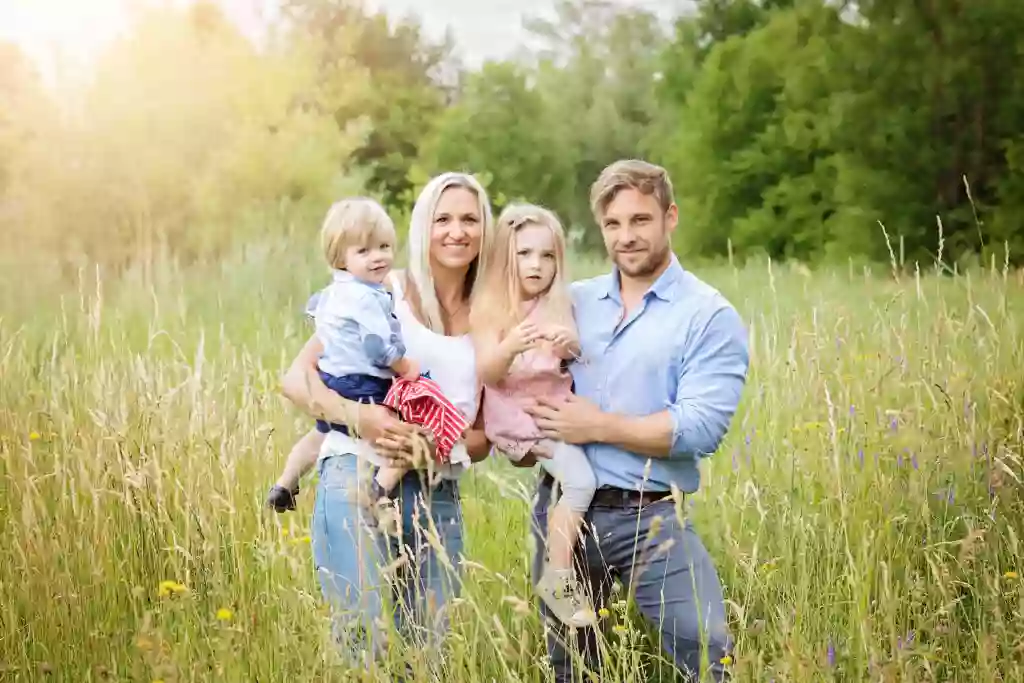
(370, 262)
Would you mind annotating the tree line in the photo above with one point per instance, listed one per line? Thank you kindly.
(815, 130)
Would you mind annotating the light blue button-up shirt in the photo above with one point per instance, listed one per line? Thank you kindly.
(682, 349)
(356, 323)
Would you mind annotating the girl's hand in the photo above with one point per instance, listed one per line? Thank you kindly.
(563, 341)
(522, 337)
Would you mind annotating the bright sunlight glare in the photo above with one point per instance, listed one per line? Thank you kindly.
(67, 35)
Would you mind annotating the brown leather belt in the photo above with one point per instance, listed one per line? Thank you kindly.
(611, 497)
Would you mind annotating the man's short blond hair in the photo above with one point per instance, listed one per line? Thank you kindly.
(630, 174)
(354, 222)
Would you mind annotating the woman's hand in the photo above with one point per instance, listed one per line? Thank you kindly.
(376, 422)
(412, 449)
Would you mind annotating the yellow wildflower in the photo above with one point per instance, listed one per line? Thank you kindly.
(604, 613)
(166, 588)
(619, 628)
(301, 540)
(224, 614)
(1010, 575)
(727, 660)
(34, 436)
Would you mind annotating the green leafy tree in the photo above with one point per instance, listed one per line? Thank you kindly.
(409, 76)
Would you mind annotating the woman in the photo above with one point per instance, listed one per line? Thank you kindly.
(450, 223)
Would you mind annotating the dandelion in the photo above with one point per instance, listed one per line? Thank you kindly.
(301, 540)
(1010, 575)
(34, 436)
(604, 613)
(726, 660)
(224, 614)
(619, 628)
(167, 588)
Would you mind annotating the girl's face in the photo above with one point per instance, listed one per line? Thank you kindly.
(535, 260)
(456, 230)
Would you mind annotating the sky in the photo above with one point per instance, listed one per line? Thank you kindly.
(79, 28)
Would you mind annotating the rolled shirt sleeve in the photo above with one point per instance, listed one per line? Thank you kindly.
(711, 380)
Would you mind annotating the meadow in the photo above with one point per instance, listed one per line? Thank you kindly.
(864, 511)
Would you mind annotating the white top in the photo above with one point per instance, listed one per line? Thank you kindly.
(449, 361)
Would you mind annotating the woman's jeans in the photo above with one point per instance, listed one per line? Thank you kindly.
(367, 576)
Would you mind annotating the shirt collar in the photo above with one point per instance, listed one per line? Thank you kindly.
(666, 287)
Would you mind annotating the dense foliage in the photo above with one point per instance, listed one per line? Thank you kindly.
(811, 130)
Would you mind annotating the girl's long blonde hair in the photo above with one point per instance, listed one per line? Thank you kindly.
(424, 297)
(496, 302)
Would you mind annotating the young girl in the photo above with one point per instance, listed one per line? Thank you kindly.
(524, 334)
(363, 347)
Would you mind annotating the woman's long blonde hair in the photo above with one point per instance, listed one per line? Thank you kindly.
(424, 297)
(496, 303)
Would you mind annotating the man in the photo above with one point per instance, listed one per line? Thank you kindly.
(663, 364)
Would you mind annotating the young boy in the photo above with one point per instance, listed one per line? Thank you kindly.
(356, 323)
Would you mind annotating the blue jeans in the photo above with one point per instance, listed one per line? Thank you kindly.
(675, 584)
(362, 572)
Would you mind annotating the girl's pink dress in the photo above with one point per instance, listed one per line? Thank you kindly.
(536, 372)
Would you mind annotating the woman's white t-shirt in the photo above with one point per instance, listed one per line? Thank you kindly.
(449, 361)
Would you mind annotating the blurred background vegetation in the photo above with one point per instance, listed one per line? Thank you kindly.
(808, 130)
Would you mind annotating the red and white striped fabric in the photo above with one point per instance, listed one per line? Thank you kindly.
(422, 402)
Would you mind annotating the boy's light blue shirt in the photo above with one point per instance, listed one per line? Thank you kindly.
(356, 324)
(683, 349)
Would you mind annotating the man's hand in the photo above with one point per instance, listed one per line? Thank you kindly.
(572, 420)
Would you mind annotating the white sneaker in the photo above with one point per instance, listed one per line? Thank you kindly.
(565, 598)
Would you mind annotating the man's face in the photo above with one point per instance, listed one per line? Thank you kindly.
(637, 233)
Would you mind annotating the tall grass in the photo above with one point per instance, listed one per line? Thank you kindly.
(864, 512)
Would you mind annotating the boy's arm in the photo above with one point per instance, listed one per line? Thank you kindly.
(378, 330)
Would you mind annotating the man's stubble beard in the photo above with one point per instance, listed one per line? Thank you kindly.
(649, 266)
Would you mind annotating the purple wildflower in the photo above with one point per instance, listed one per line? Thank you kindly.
(913, 460)
(831, 653)
(860, 455)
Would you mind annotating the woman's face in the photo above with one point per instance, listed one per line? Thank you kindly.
(457, 229)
